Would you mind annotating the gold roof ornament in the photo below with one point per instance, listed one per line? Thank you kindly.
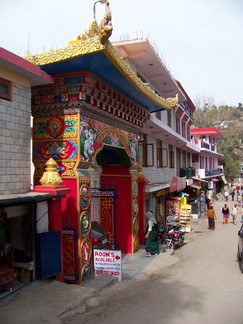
(104, 30)
(96, 40)
(140, 173)
(51, 177)
(172, 101)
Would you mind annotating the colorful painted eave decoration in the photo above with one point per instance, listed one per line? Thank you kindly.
(86, 54)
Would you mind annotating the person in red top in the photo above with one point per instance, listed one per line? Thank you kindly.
(225, 212)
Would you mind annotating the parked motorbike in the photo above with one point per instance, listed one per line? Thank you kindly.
(172, 236)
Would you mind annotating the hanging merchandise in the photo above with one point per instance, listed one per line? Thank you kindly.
(177, 210)
(186, 217)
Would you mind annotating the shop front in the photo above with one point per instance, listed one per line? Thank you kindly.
(23, 220)
(177, 208)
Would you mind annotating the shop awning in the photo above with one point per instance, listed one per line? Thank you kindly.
(215, 179)
(224, 180)
(24, 199)
(199, 179)
(195, 187)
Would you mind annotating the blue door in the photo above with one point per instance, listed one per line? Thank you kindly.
(48, 254)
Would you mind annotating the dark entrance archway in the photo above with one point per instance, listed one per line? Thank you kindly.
(116, 175)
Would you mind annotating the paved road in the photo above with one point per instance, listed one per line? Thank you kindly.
(205, 286)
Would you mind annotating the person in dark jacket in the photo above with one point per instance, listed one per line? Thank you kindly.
(233, 195)
(225, 213)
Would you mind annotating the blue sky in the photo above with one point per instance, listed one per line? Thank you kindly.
(200, 41)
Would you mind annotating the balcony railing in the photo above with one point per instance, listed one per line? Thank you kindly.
(204, 145)
(208, 146)
(211, 172)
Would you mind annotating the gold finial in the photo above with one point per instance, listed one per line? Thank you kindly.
(140, 174)
(51, 177)
(103, 31)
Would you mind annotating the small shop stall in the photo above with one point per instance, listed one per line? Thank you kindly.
(178, 210)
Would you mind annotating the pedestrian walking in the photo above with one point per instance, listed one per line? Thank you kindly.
(225, 213)
(151, 236)
(238, 199)
(226, 195)
(211, 218)
(234, 213)
(208, 202)
(233, 195)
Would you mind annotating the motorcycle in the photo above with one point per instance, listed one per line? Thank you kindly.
(172, 236)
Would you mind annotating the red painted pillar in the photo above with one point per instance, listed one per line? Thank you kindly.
(55, 214)
(142, 181)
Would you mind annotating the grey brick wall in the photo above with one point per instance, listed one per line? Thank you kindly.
(154, 174)
(15, 136)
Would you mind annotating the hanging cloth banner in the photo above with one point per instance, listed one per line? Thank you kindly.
(177, 184)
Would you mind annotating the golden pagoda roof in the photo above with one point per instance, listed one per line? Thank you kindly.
(92, 51)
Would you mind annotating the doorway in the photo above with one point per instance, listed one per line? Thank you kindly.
(115, 174)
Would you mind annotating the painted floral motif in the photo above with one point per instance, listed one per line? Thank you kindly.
(135, 226)
(55, 127)
(66, 150)
(135, 207)
(134, 189)
(135, 244)
(86, 272)
(84, 196)
(85, 250)
(85, 223)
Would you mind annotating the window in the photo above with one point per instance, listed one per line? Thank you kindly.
(5, 89)
(195, 158)
(159, 154)
(162, 155)
(178, 126)
(171, 157)
(183, 129)
(183, 159)
(145, 153)
(188, 134)
(169, 118)
(158, 115)
(165, 157)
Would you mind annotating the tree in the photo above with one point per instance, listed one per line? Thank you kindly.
(228, 120)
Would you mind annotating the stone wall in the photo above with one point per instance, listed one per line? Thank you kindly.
(15, 141)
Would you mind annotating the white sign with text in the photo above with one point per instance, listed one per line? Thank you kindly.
(107, 262)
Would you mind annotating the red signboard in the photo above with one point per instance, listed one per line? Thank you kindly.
(174, 184)
(177, 184)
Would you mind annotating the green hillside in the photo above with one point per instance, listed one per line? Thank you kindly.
(229, 120)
